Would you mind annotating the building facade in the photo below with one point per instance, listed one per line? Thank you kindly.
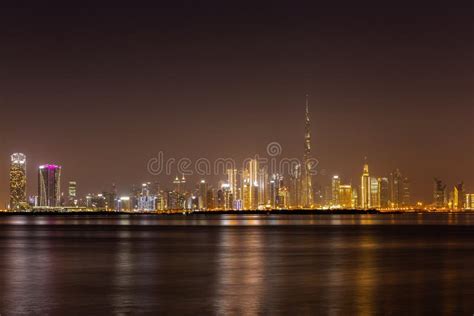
(49, 185)
(18, 182)
(365, 188)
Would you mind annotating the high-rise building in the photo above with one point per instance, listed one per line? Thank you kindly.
(96, 202)
(345, 196)
(202, 195)
(318, 195)
(72, 193)
(274, 188)
(374, 193)
(307, 194)
(295, 187)
(262, 187)
(282, 198)
(220, 199)
(246, 194)
(211, 199)
(49, 185)
(276, 191)
(18, 182)
(177, 185)
(335, 185)
(384, 192)
(232, 180)
(160, 201)
(228, 198)
(459, 196)
(469, 201)
(253, 184)
(399, 190)
(146, 201)
(110, 199)
(406, 196)
(124, 204)
(439, 194)
(355, 198)
(365, 189)
(396, 189)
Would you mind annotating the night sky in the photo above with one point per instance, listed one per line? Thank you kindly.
(101, 89)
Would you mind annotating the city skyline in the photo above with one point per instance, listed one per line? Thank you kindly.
(236, 157)
(228, 81)
(260, 183)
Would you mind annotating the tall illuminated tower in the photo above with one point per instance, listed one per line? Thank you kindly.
(72, 193)
(365, 187)
(49, 185)
(335, 187)
(18, 182)
(439, 194)
(307, 187)
(459, 196)
(253, 182)
(203, 195)
(374, 192)
(232, 180)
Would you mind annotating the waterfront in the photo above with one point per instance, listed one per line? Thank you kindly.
(228, 264)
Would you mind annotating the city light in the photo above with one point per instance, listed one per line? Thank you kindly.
(253, 187)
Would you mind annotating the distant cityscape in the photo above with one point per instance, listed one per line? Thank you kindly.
(251, 188)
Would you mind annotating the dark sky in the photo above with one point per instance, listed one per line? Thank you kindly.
(101, 89)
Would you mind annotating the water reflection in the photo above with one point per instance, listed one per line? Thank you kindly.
(391, 264)
(240, 269)
(245, 220)
(27, 274)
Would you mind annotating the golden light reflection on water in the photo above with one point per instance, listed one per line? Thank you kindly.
(366, 277)
(240, 268)
(247, 220)
(345, 265)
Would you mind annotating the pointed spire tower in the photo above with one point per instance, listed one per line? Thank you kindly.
(307, 195)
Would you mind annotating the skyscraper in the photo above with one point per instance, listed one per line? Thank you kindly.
(18, 182)
(355, 198)
(439, 194)
(146, 200)
(396, 190)
(253, 182)
(177, 185)
(345, 196)
(49, 188)
(406, 196)
(232, 180)
(469, 205)
(399, 190)
(273, 192)
(384, 192)
(275, 185)
(203, 195)
(335, 194)
(459, 196)
(262, 186)
(365, 188)
(72, 193)
(295, 187)
(306, 176)
(374, 193)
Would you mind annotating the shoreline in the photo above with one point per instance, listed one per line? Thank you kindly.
(229, 212)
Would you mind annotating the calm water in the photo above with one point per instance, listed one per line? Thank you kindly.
(342, 265)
